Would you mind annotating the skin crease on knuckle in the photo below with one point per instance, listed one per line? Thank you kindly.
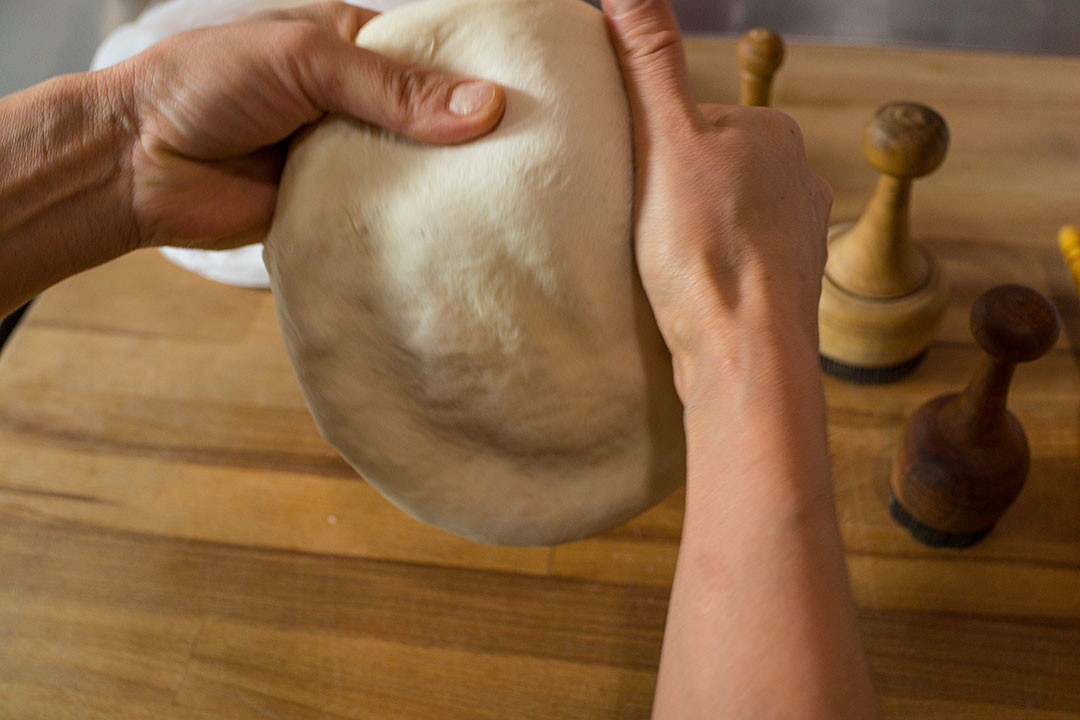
(304, 63)
(413, 92)
(645, 38)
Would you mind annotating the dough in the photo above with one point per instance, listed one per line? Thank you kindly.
(466, 322)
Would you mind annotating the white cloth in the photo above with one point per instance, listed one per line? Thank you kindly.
(242, 266)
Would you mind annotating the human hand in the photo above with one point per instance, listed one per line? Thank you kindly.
(730, 222)
(211, 111)
(730, 227)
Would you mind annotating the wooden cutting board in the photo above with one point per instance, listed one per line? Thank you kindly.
(176, 541)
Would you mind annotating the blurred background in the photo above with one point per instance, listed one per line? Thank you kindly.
(42, 38)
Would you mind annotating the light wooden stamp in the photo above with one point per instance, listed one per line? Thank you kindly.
(883, 296)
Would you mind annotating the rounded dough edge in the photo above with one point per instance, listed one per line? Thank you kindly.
(600, 425)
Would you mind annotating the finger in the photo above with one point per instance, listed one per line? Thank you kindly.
(424, 105)
(647, 42)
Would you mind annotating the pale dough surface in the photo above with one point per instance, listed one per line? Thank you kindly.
(466, 322)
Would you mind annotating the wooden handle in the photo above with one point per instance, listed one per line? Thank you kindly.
(963, 458)
(1069, 242)
(906, 140)
(760, 52)
(903, 140)
(1013, 324)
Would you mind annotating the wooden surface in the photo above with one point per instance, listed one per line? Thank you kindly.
(177, 542)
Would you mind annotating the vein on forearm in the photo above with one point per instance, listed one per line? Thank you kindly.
(61, 183)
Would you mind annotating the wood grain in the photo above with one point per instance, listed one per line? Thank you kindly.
(176, 541)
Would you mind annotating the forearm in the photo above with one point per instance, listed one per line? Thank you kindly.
(761, 624)
(63, 162)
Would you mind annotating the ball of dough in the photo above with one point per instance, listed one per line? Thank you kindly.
(466, 322)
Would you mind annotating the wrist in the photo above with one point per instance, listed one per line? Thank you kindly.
(80, 164)
(754, 413)
(737, 327)
(765, 351)
(116, 87)
(64, 192)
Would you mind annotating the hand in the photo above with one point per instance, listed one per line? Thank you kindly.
(730, 242)
(730, 221)
(213, 109)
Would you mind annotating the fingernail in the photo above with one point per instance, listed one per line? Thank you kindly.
(471, 97)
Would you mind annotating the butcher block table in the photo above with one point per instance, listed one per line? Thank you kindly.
(176, 541)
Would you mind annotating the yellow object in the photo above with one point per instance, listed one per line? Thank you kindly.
(1069, 242)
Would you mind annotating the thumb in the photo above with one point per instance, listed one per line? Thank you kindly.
(646, 37)
(424, 105)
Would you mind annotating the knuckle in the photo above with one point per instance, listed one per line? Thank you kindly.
(400, 87)
(315, 12)
(649, 42)
(350, 19)
(302, 38)
(782, 125)
(303, 62)
(411, 91)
